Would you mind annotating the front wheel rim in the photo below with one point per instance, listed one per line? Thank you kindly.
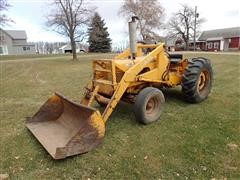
(153, 107)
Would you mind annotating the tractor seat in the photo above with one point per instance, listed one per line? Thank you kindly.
(175, 58)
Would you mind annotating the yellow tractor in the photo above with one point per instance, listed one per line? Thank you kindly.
(67, 128)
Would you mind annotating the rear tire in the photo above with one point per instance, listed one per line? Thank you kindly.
(149, 105)
(197, 80)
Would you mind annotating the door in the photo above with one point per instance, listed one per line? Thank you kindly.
(226, 45)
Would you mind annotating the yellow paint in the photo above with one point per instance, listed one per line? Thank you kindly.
(97, 123)
(203, 77)
(174, 79)
(152, 68)
(123, 55)
(93, 95)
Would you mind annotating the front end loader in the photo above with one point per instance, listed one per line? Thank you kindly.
(136, 76)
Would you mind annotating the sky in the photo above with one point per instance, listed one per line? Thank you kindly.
(30, 15)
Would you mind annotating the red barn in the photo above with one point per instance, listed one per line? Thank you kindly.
(221, 39)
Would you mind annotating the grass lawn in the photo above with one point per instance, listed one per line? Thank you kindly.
(30, 56)
(42, 56)
(191, 141)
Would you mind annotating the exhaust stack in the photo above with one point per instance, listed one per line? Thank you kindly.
(132, 25)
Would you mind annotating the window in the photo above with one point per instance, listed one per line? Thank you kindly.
(216, 44)
(1, 50)
(26, 48)
(1, 38)
(209, 45)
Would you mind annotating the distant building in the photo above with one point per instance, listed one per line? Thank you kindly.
(227, 39)
(200, 45)
(68, 49)
(174, 44)
(220, 39)
(170, 44)
(14, 42)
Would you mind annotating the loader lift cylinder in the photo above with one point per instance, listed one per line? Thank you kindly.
(132, 26)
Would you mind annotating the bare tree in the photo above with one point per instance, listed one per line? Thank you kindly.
(4, 19)
(149, 12)
(69, 18)
(181, 24)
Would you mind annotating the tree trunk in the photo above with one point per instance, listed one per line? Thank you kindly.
(187, 44)
(187, 39)
(73, 45)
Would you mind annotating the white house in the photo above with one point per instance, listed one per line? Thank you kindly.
(14, 42)
(68, 49)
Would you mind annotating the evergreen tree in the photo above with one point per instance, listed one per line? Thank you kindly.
(98, 39)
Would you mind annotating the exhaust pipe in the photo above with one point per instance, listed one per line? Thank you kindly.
(132, 26)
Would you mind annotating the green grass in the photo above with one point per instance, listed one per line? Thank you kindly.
(190, 142)
(29, 56)
(41, 56)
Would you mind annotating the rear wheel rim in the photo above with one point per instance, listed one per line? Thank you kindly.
(203, 80)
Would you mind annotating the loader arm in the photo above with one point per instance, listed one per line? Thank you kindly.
(130, 76)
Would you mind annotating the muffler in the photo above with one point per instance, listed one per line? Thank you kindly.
(132, 26)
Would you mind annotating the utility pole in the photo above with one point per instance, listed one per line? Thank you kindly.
(195, 27)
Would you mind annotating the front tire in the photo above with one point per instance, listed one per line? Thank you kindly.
(197, 80)
(149, 105)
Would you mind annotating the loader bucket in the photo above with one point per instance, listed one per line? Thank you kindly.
(66, 128)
